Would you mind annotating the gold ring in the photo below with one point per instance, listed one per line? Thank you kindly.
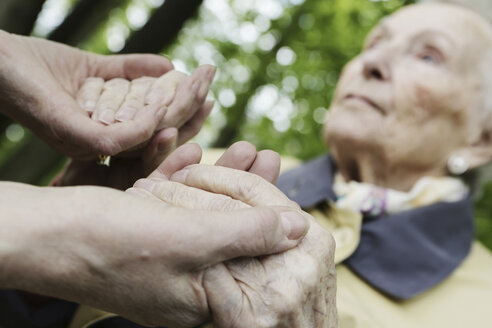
(104, 160)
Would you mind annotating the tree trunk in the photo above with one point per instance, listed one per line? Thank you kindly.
(161, 29)
(83, 20)
(19, 16)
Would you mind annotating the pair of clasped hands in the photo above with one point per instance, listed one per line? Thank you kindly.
(187, 242)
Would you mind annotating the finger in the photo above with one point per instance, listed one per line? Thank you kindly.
(130, 66)
(134, 100)
(89, 93)
(195, 124)
(240, 156)
(244, 186)
(204, 73)
(185, 155)
(267, 165)
(189, 96)
(177, 194)
(116, 138)
(181, 107)
(82, 138)
(161, 145)
(164, 88)
(225, 298)
(111, 98)
(252, 232)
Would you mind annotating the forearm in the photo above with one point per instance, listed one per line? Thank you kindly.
(18, 90)
(6, 95)
(19, 211)
(42, 240)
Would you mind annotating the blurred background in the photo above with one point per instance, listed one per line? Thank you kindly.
(277, 64)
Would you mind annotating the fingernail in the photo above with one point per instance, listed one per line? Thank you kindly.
(180, 176)
(295, 225)
(106, 116)
(126, 113)
(195, 86)
(145, 184)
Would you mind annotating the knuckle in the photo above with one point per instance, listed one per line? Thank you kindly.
(326, 245)
(285, 308)
(134, 98)
(222, 202)
(329, 241)
(164, 190)
(249, 186)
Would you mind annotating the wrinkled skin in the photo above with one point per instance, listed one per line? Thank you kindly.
(184, 118)
(292, 289)
(138, 257)
(413, 98)
(40, 81)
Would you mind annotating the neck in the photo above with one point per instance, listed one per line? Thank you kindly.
(370, 168)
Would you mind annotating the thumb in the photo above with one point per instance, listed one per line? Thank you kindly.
(131, 66)
(248, 232)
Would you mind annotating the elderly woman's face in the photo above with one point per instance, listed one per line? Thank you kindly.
(411, 95)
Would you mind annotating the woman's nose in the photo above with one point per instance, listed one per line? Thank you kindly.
(376, 65)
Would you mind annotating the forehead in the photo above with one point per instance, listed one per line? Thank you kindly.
(455, 23)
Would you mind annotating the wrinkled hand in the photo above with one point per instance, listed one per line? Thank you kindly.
(120, 100)
(39, 81)
(293, 289)
(137, 257)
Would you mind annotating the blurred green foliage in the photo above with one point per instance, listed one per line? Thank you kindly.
(277, 61)
(280, 103)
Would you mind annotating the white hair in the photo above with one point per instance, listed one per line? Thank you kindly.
(477, 177)
(482, 7)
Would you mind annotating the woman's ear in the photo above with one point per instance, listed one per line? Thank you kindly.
(476, 154)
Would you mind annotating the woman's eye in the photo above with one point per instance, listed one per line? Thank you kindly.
(431, 56)
(428, 58)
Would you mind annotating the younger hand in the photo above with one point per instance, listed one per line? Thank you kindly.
(39, 82)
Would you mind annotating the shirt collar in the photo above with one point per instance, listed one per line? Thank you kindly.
(403, 254)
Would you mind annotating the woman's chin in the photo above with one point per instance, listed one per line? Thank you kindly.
(350, 135)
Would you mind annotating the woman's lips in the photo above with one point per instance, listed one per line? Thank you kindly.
(367, 101)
